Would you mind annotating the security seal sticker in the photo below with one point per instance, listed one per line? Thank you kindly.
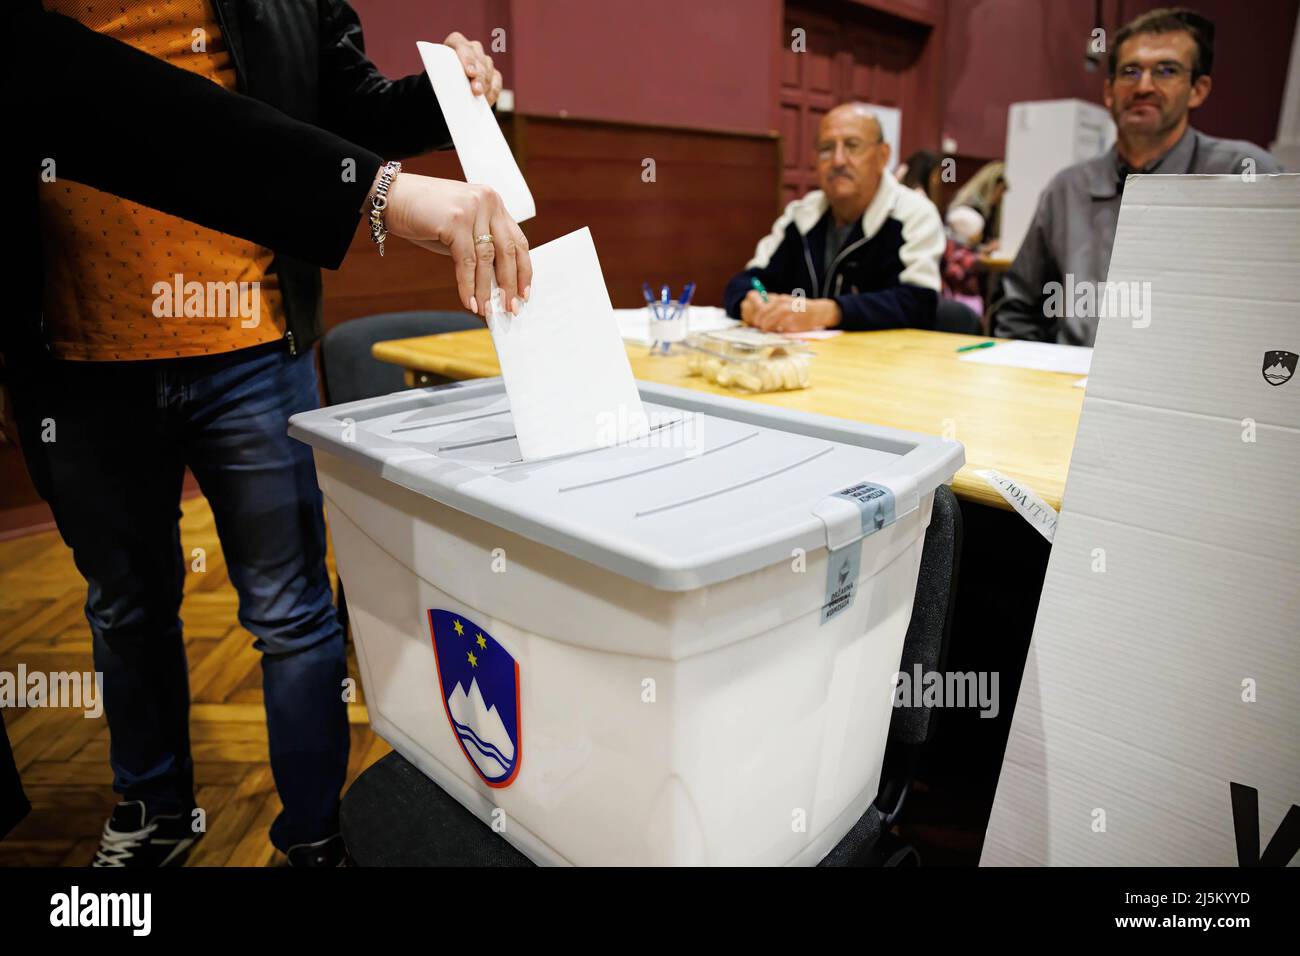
(843, 565)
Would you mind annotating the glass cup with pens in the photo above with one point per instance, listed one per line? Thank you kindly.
(668, 318)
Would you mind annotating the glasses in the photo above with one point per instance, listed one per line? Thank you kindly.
(854, 148)
(1166, 72)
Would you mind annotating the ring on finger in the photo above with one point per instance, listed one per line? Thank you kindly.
(486, 237)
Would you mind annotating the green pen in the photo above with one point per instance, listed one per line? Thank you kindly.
(758, 287)
(978, 345)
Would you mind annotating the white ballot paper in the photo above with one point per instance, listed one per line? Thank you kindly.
(636, 325)
(565, 369)
(481, 148)
(1043, 356)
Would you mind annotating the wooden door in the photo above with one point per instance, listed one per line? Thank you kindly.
(851, 53)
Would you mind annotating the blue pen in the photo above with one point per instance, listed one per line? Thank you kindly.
(685, 300)
(650, 300)
(687, 293)
(669, 313)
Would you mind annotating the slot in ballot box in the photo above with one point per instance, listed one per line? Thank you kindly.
(678, 650)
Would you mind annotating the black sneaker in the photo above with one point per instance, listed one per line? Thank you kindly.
(132, 838)
(327, 852)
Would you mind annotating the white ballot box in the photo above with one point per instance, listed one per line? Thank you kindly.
(1042, 139)
(678, 650)
(1157, 723)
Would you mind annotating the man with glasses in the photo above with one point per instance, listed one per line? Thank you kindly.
(860, 253)
(1160, 68)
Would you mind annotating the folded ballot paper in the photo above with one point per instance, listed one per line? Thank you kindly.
(480, 147)
(565, 369)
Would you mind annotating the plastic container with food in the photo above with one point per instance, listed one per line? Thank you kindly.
(750, 360)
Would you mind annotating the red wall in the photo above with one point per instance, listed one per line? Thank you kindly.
(1003, 51)
(708, 64)
(711, 63)
(392, 29)
(1000, 52)
(699, 63)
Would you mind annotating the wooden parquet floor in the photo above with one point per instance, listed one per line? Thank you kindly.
(63, 756)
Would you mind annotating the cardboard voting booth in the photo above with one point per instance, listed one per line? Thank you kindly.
(678, 649)
(1042, 139)
(1159, 718)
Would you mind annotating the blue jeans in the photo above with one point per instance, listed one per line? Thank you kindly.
(123, 433)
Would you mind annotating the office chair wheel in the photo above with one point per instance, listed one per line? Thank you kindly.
(905, 856)
(892, 851)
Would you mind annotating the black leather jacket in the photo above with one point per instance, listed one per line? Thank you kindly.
(307, 59)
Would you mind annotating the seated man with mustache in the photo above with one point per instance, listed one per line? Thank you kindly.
(861, 253)
(1159, 71)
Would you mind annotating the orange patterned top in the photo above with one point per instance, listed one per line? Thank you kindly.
(123, 281)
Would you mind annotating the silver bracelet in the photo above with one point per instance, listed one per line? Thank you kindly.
(379, 202)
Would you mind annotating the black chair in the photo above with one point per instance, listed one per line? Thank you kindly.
(394, 815)
(911, 728)
(350, 373)
(954, 316)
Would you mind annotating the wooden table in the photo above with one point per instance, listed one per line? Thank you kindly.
(1019, 421)
(995, 263)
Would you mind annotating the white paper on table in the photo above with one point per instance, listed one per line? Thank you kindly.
(480, 147)
(1043, 356)
(565, 369)
(634, 324)
(815, 335)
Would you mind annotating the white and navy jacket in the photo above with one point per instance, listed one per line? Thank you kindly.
(886, 276)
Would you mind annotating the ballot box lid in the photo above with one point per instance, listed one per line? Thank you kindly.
(720, 487)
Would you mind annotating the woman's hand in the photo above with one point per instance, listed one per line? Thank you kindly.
(450, 217)
(483, 76)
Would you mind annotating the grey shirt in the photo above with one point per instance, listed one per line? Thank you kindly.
(1074, 227)
(836, 236)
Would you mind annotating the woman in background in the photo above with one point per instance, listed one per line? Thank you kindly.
(975, 215)
(923, 171)
(959, 266)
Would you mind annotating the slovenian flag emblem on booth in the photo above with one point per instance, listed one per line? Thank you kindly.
(479, 683)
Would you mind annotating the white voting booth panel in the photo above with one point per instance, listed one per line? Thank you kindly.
(1159, 718)
(675, 651)
(1042, 139)
(891, 130)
